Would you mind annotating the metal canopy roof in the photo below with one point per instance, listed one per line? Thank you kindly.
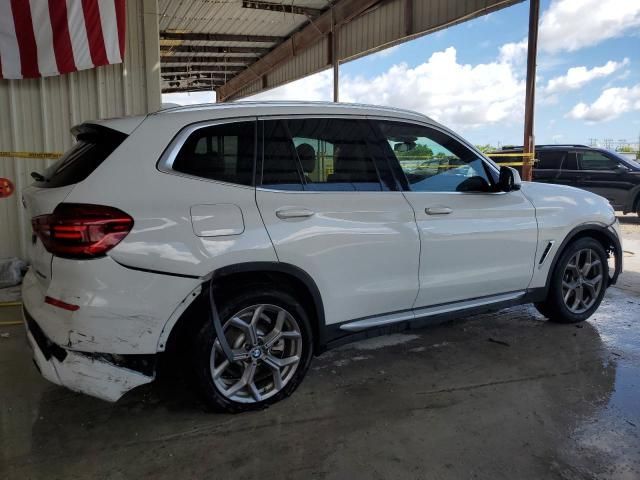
(204, 43)
(241, 47)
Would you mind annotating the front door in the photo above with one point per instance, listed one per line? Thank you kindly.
(604, 176)
(475, 242)
(332, 208)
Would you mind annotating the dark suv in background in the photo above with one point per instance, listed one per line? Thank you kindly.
(600, 171)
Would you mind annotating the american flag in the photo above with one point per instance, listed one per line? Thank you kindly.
(41, 38)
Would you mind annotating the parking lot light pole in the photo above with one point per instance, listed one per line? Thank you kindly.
(528, 146)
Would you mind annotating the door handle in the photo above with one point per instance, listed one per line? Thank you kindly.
(289, 213)
(438, 210)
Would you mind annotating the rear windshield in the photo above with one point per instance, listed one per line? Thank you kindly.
(94, 144)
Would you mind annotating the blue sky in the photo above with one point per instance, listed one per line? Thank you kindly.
(471, 76)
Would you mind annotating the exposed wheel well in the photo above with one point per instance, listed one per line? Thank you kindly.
(636, 203)
(598, 233)
(231, 280)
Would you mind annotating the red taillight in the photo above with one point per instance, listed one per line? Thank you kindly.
(82, 231)
(60, 304)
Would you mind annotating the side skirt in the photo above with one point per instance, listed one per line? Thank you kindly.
(343, 333)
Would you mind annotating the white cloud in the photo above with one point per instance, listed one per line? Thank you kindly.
(612, 103)
(312, 88)
(460, 95)
(514, 52)
(569, 25)
(577, 77)
(454, 93)
(189, 98)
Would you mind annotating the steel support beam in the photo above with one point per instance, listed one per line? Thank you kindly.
(152, 55)
(200, 68)
(335, 61)
(219, 37)
(203, 59)
(281, 8)
(529, 145)
(188, 89)
(167, 49)
(343, 11)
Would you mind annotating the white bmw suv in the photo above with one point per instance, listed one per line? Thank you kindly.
(249, 237)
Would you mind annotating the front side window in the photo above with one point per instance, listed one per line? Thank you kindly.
(320, 154)
(596, 161)
(433, 161)
(219, 152)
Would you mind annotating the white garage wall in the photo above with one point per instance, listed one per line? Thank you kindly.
(37, 114)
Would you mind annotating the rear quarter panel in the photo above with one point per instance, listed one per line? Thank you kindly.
(160, 203)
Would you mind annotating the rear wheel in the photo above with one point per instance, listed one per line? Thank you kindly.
(578, 283)
(270, 337)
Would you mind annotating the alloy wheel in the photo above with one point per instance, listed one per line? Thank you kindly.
(582, 280)
(266, 343)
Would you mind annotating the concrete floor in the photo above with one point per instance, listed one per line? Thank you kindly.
(555, 401)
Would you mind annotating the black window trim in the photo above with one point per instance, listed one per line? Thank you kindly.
(296, 116)
(168, 156)
(488, 164)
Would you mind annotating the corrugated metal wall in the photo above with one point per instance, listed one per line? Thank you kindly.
(36, 115)
(382, 26)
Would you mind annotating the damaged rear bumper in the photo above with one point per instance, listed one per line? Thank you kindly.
(91, 374)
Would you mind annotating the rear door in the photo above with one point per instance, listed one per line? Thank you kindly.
(569, 172)
(94, 144)
(332, 208)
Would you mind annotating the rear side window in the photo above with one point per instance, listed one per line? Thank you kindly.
(322, 154)
(220, 152)
(550, 160)
(94, 144)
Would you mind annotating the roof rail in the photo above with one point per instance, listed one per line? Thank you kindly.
(519, 147)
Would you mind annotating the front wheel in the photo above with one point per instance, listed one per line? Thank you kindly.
(270, 337)
(578, 283)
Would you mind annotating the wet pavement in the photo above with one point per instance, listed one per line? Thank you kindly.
(503, 395)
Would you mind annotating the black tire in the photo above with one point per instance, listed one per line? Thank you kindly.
(554, 307)
(206, 338)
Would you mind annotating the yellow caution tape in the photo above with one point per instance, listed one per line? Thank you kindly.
(8, 324)
(41, 155)
(10, 304)
(510, 154)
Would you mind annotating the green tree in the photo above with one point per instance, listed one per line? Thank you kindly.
(486, 148)
(421, 151)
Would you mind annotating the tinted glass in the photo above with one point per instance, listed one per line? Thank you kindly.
(596, 161)
(91, 149)
(319, 154)
(550, 160)
(220, 152)
(570, 161)
(433, 161)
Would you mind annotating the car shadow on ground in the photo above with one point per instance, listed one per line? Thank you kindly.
(629, 219)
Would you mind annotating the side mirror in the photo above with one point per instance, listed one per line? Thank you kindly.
(509, 179)
(620, 168)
